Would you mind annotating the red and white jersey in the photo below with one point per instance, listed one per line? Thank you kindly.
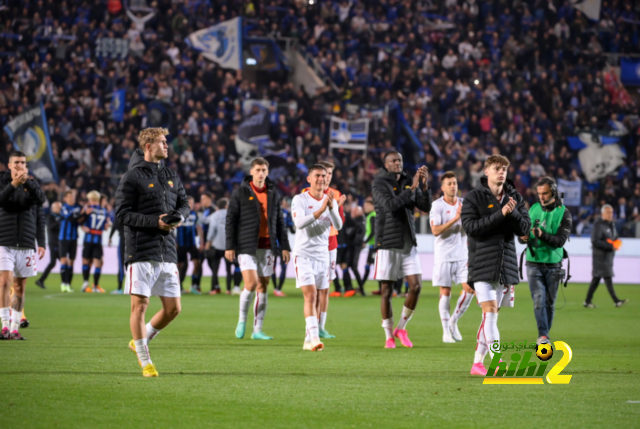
(451, 245)
(312, 234)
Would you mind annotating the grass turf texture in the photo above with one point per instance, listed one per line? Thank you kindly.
(75, 370)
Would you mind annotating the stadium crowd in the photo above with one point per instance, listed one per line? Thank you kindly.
(471, 78)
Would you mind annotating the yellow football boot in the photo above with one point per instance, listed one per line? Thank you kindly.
(150, 371)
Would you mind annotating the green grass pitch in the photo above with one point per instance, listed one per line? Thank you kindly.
(75, 369)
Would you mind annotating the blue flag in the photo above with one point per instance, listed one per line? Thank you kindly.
(117, 105)
(30, 134)
(630, 71)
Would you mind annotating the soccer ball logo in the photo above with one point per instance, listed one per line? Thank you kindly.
(544, 352)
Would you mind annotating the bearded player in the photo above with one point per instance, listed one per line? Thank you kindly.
(314, 213)
(450, 256)
(396, 196)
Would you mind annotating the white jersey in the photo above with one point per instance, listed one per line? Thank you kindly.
(312, 234)
(451, 245)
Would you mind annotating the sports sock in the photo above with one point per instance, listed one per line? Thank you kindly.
(387, 325)
(461, 306)
(96, 276)
(63, 274)
(142, 350)
(323, 320)
(152, 332)
(245, 302)
(16, 316)
(481, 346)
(237, 277)
(443, 306)
(491, 332)
(312, 327)
(85, 272)
(259, 310)
(195, 281)
(404, 319)
(69, 274)
(5, 317)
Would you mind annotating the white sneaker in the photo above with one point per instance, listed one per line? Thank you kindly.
(453, 330)
(447, 338)
(236, 290)
(315, 345)
(85, 285)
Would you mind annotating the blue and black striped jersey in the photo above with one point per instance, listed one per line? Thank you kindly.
(187, 231)
(205, 216)
(69, 223)
(96, 222)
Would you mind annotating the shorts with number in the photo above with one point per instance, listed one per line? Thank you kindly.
(262, 262)
(311, 272)
(445, 273)
(153, 279)
(393, 264)
(333, 257)
(92, 251)
(494, 291)
(21, 261)
(68, 249)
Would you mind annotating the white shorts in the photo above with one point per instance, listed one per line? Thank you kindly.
(21, 262)
(494, 291)
(333, 256)
(263, 262)
(153, 278)
(311, 272)
(392, 264)
(445, 273)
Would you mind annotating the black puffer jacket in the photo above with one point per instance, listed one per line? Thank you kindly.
(395, 202)
(603, 253)
(18, 214)
(491, 235)
(145, 192)
(243, 219)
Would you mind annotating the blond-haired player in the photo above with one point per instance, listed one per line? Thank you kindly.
(313, 212)
(96, 221)
(150, 203)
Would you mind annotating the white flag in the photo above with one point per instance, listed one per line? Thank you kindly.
(591, 8)
(220, 43)
(599, 160)
(348, 134)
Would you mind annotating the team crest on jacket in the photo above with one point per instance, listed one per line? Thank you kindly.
(407, 187)
(490, 206)
(170, 183)
(250, 198)
(151, 185)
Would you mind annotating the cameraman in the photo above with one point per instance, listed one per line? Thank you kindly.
(551, 228)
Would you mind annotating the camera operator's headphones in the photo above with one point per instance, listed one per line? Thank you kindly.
(554, 188)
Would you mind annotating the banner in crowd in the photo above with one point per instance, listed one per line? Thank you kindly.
(591, 8)
(264, 53)
(348, 134)
(30, 134)
(220, 43)
(630, 71)
(572, 190)
(113, 48)
(117, 105)
(252, 141)
(599, 153)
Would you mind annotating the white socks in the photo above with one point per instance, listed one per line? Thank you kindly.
(245, 301)
(491, 332)
(404, 319)
(152, 332)
(322, 321)
(16, 316)
(259, 310)
(312, 328)
(387, 325)
(481, 346)
(142, 350)
(443, 306)
(461, 306)
(5, 316)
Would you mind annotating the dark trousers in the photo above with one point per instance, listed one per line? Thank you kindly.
(53, 260)
(120, 263)
(594, 285)
(543, 284)
(213, 257)
(277, 283)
